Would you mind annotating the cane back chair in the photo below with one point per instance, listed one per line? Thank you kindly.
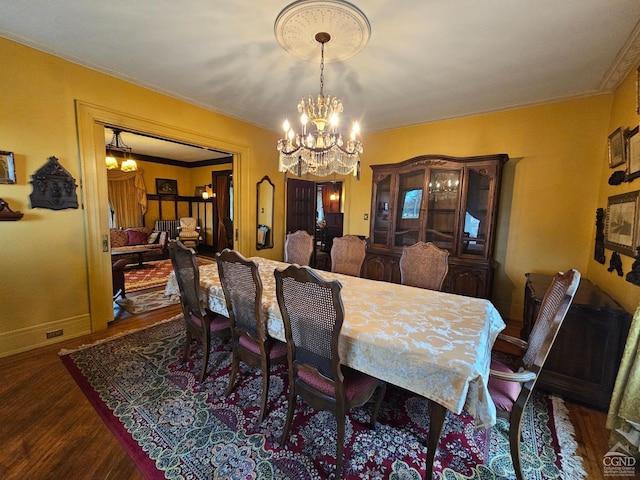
(200, 322)
(511, 390)
(347, 255)
(298, 248)
(313, 314)
(424, 265)
(240, 279)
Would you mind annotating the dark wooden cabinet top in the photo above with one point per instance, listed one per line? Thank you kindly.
(588, 295)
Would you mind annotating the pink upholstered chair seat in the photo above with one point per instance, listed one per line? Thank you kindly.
(278, 348)
(503, 392)
(355, 383)
(218, 322)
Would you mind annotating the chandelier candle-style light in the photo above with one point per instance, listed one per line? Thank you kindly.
(318, 147)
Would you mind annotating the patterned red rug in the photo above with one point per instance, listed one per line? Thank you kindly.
(175, 427)
(152, 274)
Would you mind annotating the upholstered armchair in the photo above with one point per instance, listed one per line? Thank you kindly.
(189, 232)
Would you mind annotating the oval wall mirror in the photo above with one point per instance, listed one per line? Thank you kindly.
(264, 213)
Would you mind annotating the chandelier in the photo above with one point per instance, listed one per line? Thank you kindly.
(318, 147)
(128, 164)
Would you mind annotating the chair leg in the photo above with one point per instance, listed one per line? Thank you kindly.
(292, 406)
(206, 345)
(382, 389)
(515, 421)
(235, 362)
(340, 422)
(187, 346)
(266, 369)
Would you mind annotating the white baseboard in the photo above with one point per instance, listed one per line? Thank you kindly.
(29, 338)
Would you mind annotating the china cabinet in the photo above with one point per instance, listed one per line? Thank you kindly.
(450, 201)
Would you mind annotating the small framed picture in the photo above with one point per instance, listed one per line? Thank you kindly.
(616, 148)
(165, 186)
(7, 167)
(632, 153)
(200, 191)
(621, 226)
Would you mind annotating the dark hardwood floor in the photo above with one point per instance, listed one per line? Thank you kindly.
(48, 429)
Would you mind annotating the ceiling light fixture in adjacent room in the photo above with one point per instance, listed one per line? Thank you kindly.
(128, 164)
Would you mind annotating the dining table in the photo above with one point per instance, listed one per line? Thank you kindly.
(435, 344)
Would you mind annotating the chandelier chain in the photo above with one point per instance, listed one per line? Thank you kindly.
(322, 70)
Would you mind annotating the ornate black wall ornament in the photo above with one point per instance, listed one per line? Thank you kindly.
(617, 177)
(634, 275)
(598, 254)
(53, 187)
(615, 264)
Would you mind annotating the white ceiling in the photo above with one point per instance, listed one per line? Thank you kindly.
(426, 60)
(163, 149)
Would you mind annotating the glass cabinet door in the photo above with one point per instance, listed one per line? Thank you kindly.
(476, 215)
(442, 214)
(408, 209)
(381, 213)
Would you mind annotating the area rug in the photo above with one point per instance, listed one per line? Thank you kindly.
(152, 274)
(147, 300)
(176, 428)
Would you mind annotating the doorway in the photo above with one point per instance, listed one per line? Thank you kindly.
(315, 208)
(91, 120)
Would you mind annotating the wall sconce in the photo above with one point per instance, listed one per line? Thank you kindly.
(205, 194)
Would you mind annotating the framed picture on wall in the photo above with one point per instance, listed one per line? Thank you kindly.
(616, 148)
(621, 226)
(165, 186)
(632, 152)
(7, 167)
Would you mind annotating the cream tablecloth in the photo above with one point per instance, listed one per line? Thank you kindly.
(435, 344)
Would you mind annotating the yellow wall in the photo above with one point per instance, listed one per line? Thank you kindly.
(622, 114)
(549, 189)
(556, 178)
(43, 260)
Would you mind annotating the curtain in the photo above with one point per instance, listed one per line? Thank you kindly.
(328, 189)
(223, 204)
(624, 410)
(127, 197)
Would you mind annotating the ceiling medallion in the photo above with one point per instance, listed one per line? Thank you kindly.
(297, 25)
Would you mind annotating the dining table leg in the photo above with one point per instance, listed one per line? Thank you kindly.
(437, 415)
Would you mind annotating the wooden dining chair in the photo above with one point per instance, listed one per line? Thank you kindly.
(313, 314)
(200, 322)
(424, 265)
(347, 255)
(511, 390)
(298, 248)
(250, 341)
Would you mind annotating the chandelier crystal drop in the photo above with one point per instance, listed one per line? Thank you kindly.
(318, 147)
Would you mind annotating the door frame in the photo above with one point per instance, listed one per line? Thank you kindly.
(90, 123)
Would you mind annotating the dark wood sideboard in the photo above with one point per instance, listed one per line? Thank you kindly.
(583, 363)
